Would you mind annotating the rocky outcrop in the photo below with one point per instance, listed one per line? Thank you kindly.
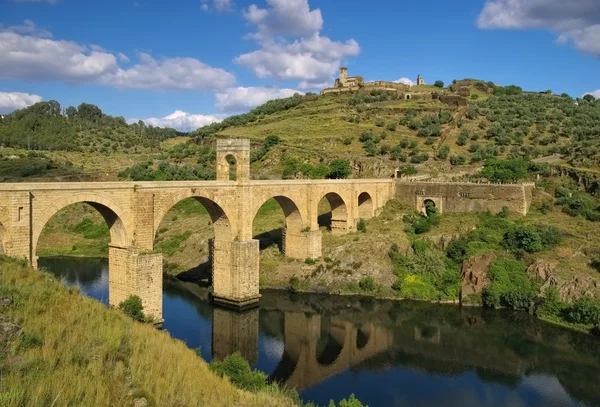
(6, 301)
(475, 274)
(543, 272)
(578, 287)
(453, 101)
(8, 332)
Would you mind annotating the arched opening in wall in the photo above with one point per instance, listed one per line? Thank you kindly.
(232, 165)
(365, 206)
(333, 214)
(362, 337)
(72, 243)
(2, 238)
(277, 216)
(184, 235)
(330, 343)
(408, 97)
(430, 208)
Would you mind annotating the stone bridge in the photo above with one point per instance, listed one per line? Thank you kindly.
(134, 210)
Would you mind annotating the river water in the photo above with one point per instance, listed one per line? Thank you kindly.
(388, 353)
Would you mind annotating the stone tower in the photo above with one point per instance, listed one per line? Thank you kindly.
(343, 75)
(420, 81)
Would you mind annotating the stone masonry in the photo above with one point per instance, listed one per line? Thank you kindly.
(133, 211)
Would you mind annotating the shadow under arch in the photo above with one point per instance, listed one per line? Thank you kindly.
(293, 221)
(230, 162)
(362, 337)
(365, 206)
(112, 214)
(337, 218)
(3, 238)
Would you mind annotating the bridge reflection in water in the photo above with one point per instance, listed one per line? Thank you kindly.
(421, 354)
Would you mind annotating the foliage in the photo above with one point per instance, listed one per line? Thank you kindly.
(439, 84)
(133, 307)
(339, 169)
(532, 239)
(34, 165)
(577, 203)
(361, 226)
(294, 282)
(584, 310)
(509, 287)
(458, 160)
(269, 143)
(350, 402)
(551, 303)
(238, 370)
(443, 152)
(165, 171)
(367, 284)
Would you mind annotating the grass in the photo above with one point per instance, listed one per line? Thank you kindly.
(74, 351)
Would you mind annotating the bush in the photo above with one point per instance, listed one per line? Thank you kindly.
(351, 402)
(133, 307)
(551, 303)
(310, 261)
(458, 159)
(510, 287)
(443, 152)
(532, 239)
(339, 169)
(238, 370)
(596, 264)
(439, 84)
(367, 284)
(361, 226)
(585, 310)
(457, 251)
(294, 283)
(347, 141)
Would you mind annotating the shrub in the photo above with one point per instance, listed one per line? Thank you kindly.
(238, 370)
(596, 264)
(294, 283)
(458, 159)
(443, 152)
(510, 287)
(351, 402)
(361, 226)
(380, 123)
(30, 340)
(347, 141)
(133, 307)
(367, 284)
(439, 84)
(339, 169)
(584, 310)
(551, 303)
(310, 261)
(457, 251)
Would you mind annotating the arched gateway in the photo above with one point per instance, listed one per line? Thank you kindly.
(133, 211)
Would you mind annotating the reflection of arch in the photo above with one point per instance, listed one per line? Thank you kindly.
(362, 337)
(220, 220)
(339, 211)
(365, 206)
(330, 345)
(112, 214)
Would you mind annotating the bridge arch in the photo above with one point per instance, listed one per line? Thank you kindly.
(222, 223)
(3, 238)
(113, 215)
(294, 223)
(365, 206)
(331, 343)
(338, 221)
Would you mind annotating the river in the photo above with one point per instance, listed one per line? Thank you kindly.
(388, 353)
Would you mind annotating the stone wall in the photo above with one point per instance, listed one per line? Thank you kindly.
(466, 197)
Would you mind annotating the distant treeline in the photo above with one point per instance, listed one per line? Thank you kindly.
(47, 126)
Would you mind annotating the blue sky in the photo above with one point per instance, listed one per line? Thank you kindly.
(190, 62)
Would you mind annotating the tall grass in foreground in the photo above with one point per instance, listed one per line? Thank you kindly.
(75, 352)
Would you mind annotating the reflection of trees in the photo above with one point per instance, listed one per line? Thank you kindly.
(76, 271)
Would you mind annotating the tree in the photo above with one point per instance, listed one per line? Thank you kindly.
(439, 84)
(407, 170)
(339, 169)
(133, 307)
(589, 98)
(443, 152)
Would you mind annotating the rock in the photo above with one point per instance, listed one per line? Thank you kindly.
(541, 270)
(6, 301)
(475, 274)
(141, 402)
(8, 331)
(578, 287)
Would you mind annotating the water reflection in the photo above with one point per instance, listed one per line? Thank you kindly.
(387, 353)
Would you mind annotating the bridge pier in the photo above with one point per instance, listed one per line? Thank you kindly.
(132, 272)
(235, 272)
(302, 245)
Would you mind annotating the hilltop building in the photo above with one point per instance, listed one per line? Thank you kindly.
(420, 81)
(355, 83)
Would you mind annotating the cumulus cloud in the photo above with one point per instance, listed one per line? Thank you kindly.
(235, 99)
(595, 94)
(31, 56)
(576, 21)
(406, 81)
(181, 120)
(220, 6)
(291, 46)
(285, 17)
(10, 101)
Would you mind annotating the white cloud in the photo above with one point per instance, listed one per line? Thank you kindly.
(577, 21)
(236, 99)
(181, 121)
(10, 101)
(285, 17)
(169, 74)
(220, 6)
(595, 94)
(308, 85)
(36, 57)
(406, 81)
(310, 57)
(314, 59)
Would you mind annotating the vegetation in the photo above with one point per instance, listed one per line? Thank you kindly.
(133, 308)
(70, 341)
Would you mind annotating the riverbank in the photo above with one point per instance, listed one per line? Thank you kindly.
(59, 348)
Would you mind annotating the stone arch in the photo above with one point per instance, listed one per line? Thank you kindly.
(294, 224)
(365, 206)
(407, 96)
(230, 162)
(423, 199)
(331, 342)
(293, 218)
(339, 212)
(3, 238)
(240, 151)
(113, 216)
(222, 225)
(428, 203)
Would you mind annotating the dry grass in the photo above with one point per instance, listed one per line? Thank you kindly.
(88, 355)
